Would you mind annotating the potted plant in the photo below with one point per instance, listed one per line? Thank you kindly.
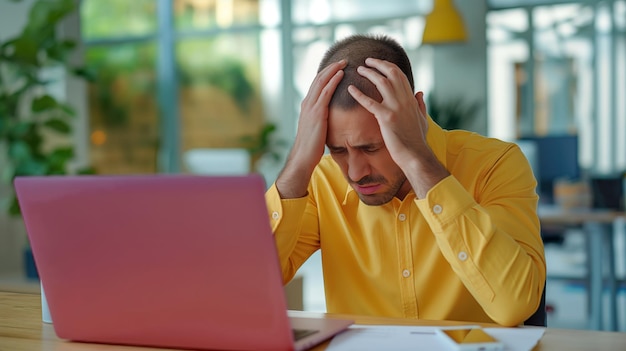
(263, 144)
(453, 113)
(35, 127)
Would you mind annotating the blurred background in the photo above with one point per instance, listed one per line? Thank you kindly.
(214, 87)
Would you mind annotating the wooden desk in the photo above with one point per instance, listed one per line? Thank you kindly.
(598, 226)
(554, 215)
(21, 329)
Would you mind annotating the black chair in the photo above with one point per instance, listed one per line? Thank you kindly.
(539, 318)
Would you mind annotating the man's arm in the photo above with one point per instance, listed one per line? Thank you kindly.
(489, 233)
(495, 249)
(292, 213)
(308, 148)
(295, 228)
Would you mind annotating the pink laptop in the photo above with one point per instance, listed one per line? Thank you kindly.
(162, 260)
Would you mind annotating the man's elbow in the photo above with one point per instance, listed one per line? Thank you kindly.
(514, 313)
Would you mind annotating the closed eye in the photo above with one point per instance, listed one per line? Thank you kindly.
(369, 149)
(337, 150)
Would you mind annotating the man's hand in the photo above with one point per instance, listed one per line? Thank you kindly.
(403, 123)
(308, 147)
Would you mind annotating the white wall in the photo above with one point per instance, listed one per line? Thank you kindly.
(461, 69)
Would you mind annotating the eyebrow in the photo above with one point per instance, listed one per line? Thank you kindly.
(359, 147)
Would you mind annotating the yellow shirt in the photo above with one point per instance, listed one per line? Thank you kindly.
(470, 251)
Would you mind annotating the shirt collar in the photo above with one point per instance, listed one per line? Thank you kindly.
(436, 139)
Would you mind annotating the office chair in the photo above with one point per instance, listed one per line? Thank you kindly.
(539, 318)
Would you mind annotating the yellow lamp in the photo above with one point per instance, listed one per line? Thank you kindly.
(444, 24)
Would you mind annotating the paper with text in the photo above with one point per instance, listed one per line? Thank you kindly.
(416, 338)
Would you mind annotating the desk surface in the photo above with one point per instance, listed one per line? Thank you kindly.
(559, 216)
(21, 329)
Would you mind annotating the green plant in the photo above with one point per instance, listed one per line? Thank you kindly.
(264, 143)
(223, 72)
(454, 113)
(35, 127)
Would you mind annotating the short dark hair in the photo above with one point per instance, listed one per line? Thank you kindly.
(355, 49)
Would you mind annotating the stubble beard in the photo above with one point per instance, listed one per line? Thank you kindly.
(380, 199)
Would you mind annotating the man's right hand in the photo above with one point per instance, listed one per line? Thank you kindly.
(308, 148)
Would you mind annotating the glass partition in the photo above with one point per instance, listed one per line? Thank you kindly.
(203, 14)
(325, 11)
(566, 62)
(219, 91)
(117, 18)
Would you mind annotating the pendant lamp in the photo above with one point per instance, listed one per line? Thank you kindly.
(444, 24)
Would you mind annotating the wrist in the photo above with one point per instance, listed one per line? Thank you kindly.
(424, 172)
(293, 182)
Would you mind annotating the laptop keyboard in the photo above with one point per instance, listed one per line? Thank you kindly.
(301, 333)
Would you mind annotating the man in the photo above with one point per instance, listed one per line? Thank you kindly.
(412, 220)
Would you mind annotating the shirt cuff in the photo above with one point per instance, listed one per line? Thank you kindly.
(444, 202)
(284, 208)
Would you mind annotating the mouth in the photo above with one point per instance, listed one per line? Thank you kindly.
(367, 189)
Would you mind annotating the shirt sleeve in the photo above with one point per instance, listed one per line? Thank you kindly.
(491, 236)
(294, 223)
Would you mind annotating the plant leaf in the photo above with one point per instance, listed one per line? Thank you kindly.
(58, 159)
(25, 51)
(19, 150)
(43, 103)
(66, 152)
(87, 73)
(67, 109)
(59, 50)
(4, 126)
(58, 125)
(86, 171)
(20, 129)
(31, 167)
(14, 207)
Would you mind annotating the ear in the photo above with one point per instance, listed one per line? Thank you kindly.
(419, 96)
(423, 114)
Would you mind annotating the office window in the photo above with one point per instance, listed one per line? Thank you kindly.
(215, 73)
(117, 18)
(570, 85)
(234, 70)
(506, 50)
(619, 81)
(123, 114)
(219, 90)
(203, 14)
(342, 11)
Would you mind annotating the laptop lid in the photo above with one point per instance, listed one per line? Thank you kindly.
(159, 260)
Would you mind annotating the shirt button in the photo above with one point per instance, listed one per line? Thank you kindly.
(275, 215)
(406, 273)
(402, 217)
(462, 256)
(437, 209)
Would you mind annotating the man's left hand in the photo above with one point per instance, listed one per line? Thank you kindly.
(403, 123)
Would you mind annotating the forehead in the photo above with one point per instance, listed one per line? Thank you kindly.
(355, 126)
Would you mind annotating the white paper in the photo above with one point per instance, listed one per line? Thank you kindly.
(416, 338)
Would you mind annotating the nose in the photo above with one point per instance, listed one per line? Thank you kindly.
(358, 166)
